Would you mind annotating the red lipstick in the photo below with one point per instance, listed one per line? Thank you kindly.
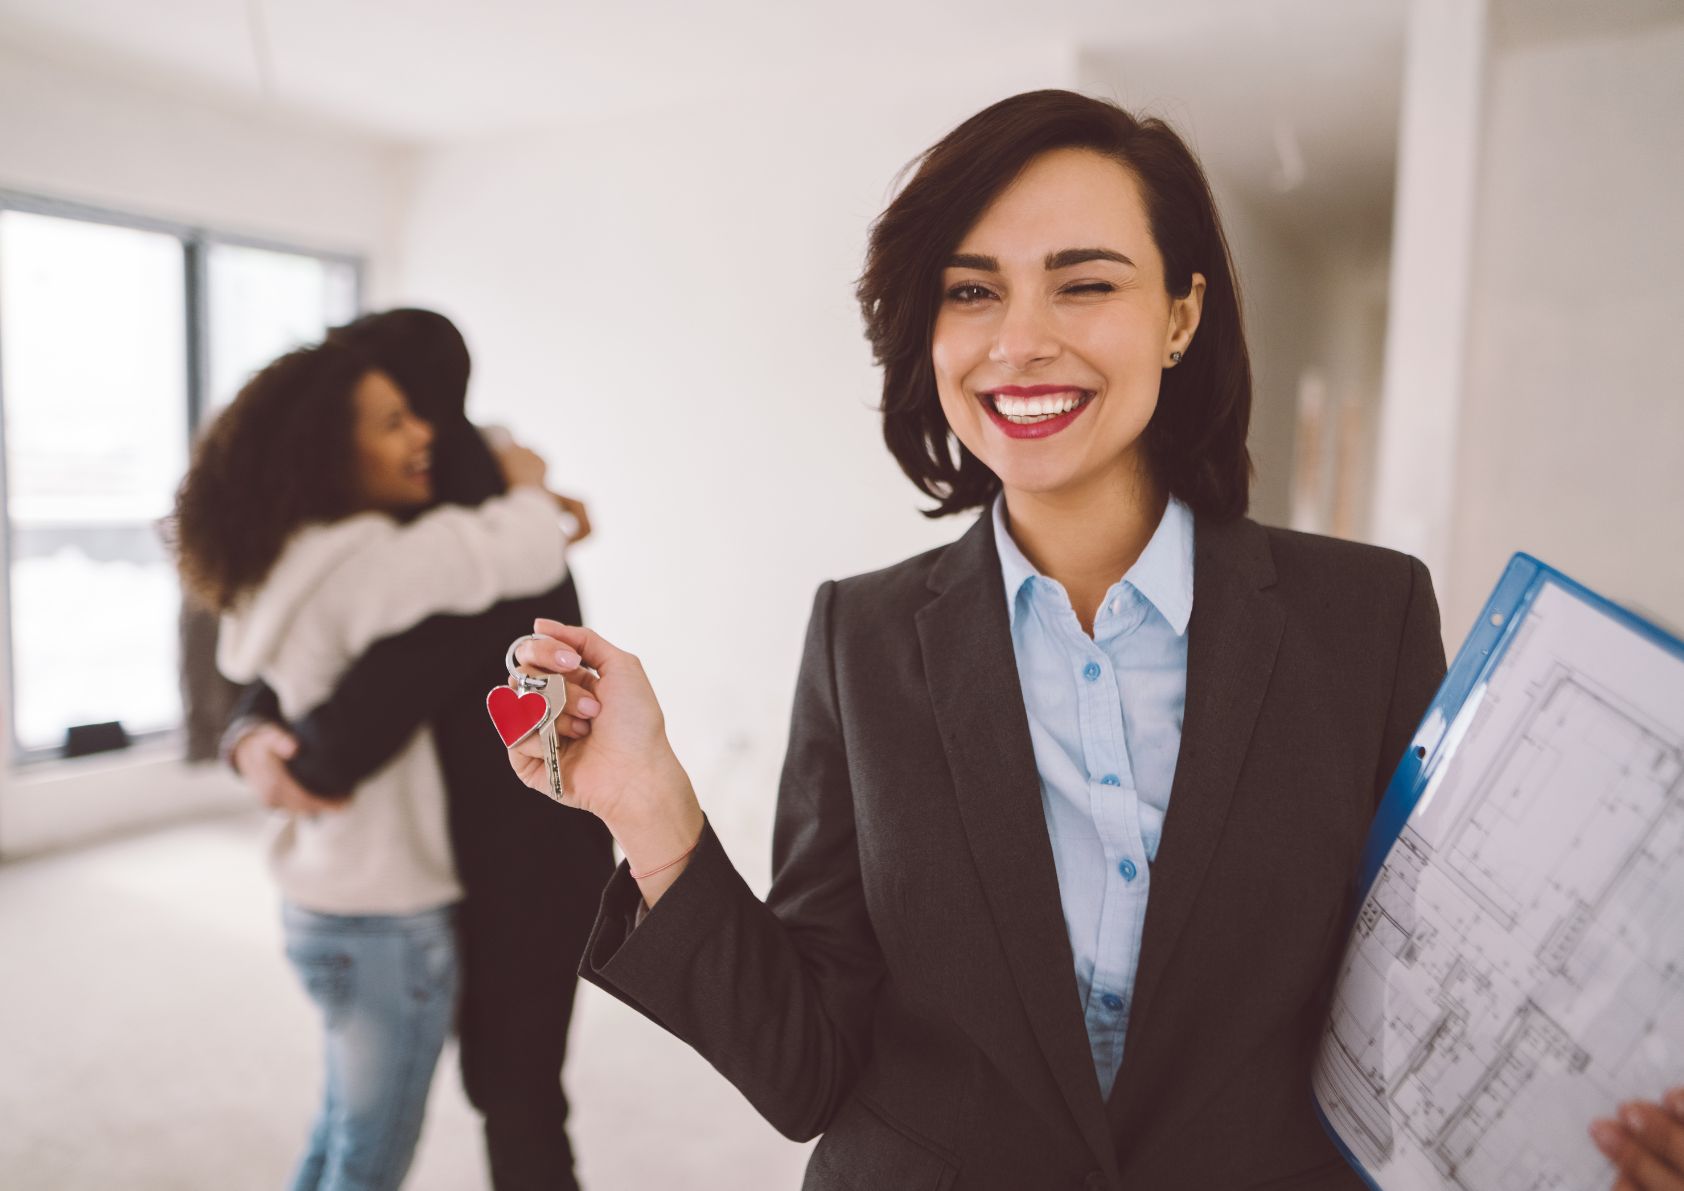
(1041, 429)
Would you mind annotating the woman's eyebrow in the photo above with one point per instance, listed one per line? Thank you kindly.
(1081, 256)
(1054, 260)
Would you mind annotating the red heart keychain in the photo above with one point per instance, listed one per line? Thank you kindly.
(529, 704)
(516, 716)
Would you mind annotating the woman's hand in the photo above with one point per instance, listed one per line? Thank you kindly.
(521, 466)
(615, 759)
(261, 758)
(1646, 1144)
(581, 518)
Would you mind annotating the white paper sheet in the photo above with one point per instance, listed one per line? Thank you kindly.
(1517, 968)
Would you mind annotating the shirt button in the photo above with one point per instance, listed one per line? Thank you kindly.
(1111, 1001)
(1110, 779)
(1091, 671)
(1128, 870)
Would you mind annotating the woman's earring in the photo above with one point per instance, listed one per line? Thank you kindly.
(1175, 357)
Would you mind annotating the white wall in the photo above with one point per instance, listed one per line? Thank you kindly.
(72, 134)
(69, 134)
(1573, 416)
(663, 305)
(1433, 233)
(1278, 285)
(1346, 319)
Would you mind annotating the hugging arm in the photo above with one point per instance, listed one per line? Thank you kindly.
(398, 684)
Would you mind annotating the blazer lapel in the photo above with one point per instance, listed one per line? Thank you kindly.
(965, 637)
(1233, 636)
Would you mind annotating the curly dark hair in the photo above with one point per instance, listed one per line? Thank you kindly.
(1195, 442)
(425, 355)
(280, 456)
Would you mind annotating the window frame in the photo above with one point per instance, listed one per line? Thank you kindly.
(196, 242)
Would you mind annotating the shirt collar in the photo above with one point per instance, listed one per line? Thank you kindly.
(1163, 573)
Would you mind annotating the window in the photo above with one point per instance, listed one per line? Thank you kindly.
(100, 381)
(263, 303)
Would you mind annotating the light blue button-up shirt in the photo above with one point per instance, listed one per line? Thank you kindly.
(1105, 720)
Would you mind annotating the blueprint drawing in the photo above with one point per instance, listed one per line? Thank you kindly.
(1517, 966)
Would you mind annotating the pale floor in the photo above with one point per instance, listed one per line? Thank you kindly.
(152, 1037)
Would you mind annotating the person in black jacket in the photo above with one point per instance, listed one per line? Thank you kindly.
(530, 869)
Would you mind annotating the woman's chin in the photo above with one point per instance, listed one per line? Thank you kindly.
(1046, 477)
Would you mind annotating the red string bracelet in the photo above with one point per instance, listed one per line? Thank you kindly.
(667, 865)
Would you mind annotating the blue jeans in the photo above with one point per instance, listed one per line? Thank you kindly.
(386, 988)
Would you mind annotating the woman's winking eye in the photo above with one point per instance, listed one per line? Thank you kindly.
(970, 293)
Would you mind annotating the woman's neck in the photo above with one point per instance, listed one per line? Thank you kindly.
(1087, 539)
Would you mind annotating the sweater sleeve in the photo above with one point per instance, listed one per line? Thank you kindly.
(450, 560)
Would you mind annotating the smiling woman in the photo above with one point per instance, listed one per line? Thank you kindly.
(1073, 806)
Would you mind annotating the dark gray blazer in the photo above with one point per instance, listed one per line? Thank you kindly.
(907, 989)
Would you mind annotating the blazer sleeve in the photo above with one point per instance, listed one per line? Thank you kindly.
(404, 681)
(1416, 675)
(778, 996)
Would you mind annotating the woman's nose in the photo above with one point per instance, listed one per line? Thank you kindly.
(1023, 337)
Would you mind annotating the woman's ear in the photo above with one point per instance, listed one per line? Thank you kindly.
(1184, 315)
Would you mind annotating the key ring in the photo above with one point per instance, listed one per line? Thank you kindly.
(524, 683)
(529, 703)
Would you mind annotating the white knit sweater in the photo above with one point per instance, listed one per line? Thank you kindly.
(335, 590)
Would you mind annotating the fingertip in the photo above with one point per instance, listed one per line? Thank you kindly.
(1607, 1135)
(1633, 1118)
(587, 706)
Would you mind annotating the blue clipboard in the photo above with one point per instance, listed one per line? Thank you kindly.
(1481, 652)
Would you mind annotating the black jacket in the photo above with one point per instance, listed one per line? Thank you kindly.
(908, 990)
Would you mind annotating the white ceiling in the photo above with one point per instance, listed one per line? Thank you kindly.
(424, 70)
(1281, 96)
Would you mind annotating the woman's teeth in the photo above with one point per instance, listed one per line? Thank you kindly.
(1026, 411)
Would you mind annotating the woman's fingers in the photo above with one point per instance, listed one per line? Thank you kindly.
(572, 727)
(1644, 1146)
(547, 655)
(545, 658)
(598, 654)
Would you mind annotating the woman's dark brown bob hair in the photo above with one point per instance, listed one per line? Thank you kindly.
(1195, 442)
(281, 456)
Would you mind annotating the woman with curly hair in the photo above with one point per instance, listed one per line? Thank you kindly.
(296, 522)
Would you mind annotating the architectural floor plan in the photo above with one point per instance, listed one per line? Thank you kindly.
(1517, 967)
